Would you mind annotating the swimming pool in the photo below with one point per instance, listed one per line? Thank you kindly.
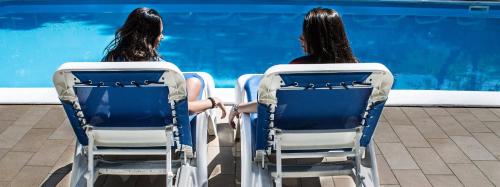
(428, 46)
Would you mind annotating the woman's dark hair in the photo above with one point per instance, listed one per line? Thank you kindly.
(325, 37)
(137, 39)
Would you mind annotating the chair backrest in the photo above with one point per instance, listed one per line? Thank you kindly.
(132, 94)
(321, 96)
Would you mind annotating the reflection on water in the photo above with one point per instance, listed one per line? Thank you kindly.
(424, 52)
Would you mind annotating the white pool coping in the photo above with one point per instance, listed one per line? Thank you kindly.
(396, 97)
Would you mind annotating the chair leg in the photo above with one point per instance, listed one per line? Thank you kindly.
(278, 178)
(357, 175)
(168, 158)
(373, 162)
(90, 161)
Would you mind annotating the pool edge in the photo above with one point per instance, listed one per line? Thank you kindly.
(396, 97)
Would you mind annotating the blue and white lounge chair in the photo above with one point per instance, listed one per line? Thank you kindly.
(312, 111)
(134, 108)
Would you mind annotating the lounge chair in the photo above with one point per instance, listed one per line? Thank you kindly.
(321, 111)
(118, 110)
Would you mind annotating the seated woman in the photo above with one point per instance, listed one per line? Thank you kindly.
(323, 40)
(138, 40)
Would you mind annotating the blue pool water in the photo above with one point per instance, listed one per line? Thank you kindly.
(426, 45)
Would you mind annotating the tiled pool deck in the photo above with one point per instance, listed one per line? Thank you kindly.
(416, 147)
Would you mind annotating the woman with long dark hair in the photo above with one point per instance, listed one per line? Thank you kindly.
(138, 40)
(323, 40)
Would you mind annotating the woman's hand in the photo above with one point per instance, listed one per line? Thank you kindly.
(233, 114)
(219, 104)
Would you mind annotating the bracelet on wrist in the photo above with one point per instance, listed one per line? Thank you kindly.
(212, 100)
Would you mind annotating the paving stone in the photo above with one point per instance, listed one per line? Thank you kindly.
(12, 163)
(63, 132)
(385, 173)
(222, 180)
(390, 185)
(436, 111)
(491, 169)
(472, 148)
(3, 152)
(313, 181)
(411, 178)
(450, 126)
(65, 159)
(429, 161)
(494, 126)
(484, 114)
(395, 116)
(5, 184)
(30, 176)
(469, 175)
(66, 181)
(33, 140)
(4, 124)
(342, 181)
(397, 156)
(449, 151)
(12, 135)
(291, 182)
(444, 181)
(458, 110)
(384, 133)
(496, 111)
(52, 119)
(13, 112)
(225, 136)
(470, 122)
(49, 153)
(326, 181)
(410, 136)
(490, 141)
(221, 161)
(424, 123)
(32, 116)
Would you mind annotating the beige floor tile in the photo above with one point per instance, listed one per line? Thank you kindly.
(5, 184)
(490, 141)
(65, 159)
(313, 181)
(429, 161)
(49, 153)
(225, 137)
(410, 178)
(395, 116)
(397, 156)
(429, 129)
(436, 111)
(494, 126)
(390, 185)
(484, 114)
(65, 182)
(444, 180)
(491, 169)
(414, 112)
(33, 140)
(4, 124)
(12, 163)
(13, 112)
(32, 116)
(449, 151)
(342, 181)
(385, 173)
(63, 132)
(450, 126)
(326, 182)
(30, 176)
(384, 133)
(458, 110)
(496, 111)
(12, 135)
(410, 136)
(3, 152)
(472, 148)
(469, 175)
(222, 180)
(220, 161)
(470, 122)
(52, 119)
